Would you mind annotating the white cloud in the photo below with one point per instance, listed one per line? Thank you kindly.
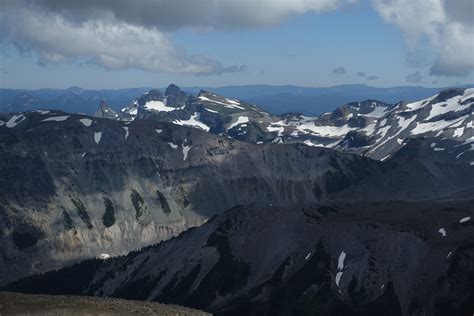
(123, 34)
(447, 27)
(166, 14)
(106, 42)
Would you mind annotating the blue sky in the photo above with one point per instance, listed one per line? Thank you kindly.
(300, 49)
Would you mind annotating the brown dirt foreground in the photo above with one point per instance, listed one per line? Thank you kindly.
(52, 305)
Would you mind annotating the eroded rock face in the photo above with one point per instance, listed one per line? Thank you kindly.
(74, 187)
(331, 258)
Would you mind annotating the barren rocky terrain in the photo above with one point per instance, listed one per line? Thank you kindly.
(55, 305)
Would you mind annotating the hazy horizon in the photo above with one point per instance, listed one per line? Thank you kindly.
(243, 85)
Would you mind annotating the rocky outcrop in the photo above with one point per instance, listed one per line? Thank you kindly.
(333, 258)
(104, 111)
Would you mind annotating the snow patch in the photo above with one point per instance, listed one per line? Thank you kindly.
(277, 140)
(56, 118)
(158, 130)
(42, 112)
(212, 111)
(104, 256)
(230, 103)
(174, 146)
(186, 149)
(451, 105)
(377, 112)
(126, 131)
(340, 260)
(240, 120)
(434, 126)
(465, 219)
(159, 106)
(87, 122)
(15, 120)
(193, 121)
(331, 131)
(458, 132)
(340, 267)
(338, 277)
(307, 256)
(442, 231)
(97, 137)
(279, 129)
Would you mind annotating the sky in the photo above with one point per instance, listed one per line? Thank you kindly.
(151, 43)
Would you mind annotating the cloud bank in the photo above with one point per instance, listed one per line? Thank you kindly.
(445, 26)
(123, 34)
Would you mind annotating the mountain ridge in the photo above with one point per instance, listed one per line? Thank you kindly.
(11, 99)
(359, 127)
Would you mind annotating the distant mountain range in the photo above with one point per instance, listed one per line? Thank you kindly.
(314, 101)
(274, 99)
(371, 128)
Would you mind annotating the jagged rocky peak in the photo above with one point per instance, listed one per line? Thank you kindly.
(104, 111)
(152, 95)
(173, 90)
(175, 97)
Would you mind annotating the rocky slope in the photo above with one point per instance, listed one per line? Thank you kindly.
(392, 258)
(76, 187)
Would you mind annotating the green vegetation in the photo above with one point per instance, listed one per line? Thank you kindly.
(138, 204)
(26, 235)
(109, 216)
(164, 203)
(68, 223)
(82, 212)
